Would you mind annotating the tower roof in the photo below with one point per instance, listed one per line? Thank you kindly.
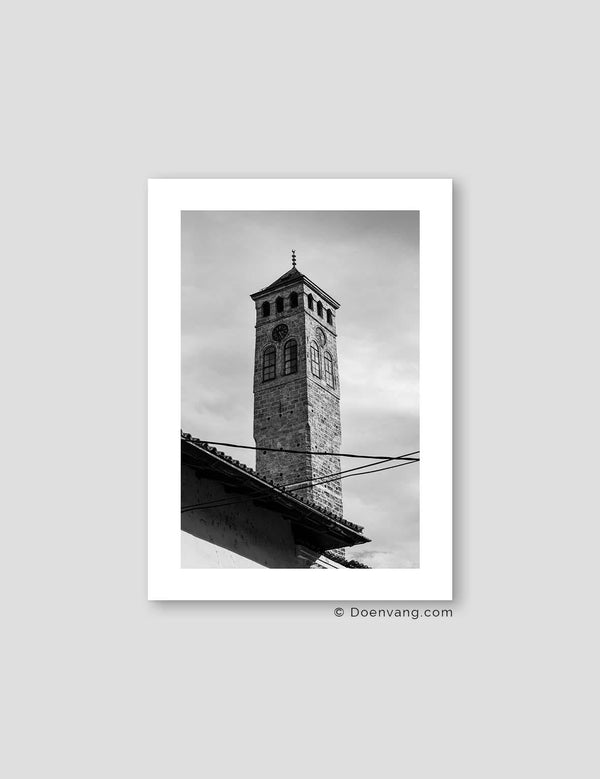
(288, 277)
(292, 276)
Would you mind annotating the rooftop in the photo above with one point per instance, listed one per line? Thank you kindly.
(310, 520)
(293, 276)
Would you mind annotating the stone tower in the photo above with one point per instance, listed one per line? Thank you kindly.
(297, 386)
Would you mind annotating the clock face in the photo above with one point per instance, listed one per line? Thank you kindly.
(279, 332)
(321, 337)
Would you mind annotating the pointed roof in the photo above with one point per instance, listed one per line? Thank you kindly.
(292, 276)
(288, 277)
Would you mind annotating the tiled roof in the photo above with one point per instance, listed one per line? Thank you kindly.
(276, 488)
(332, 555)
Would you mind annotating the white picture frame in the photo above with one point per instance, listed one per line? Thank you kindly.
(167, 198)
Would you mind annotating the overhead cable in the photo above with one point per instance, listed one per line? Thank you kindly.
(300, 451)
(284, 489)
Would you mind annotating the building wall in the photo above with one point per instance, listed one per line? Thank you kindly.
(197, 553)
(252, 532)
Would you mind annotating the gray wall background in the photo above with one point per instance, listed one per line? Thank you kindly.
(98, 98)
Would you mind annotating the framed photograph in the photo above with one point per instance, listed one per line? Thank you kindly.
(300, 389)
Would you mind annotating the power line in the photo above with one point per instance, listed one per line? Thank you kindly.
(365, 473)
(299, 451)
(309, 483)
(316, 480)
(221, 504)
(216, 505)
(325, 479)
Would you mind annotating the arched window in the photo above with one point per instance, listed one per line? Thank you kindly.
(311, 304)
(294, 300)
(320, 309)
(279, 305)
(290, 358)
(266, 308)
(328, 362)
(269, 363)
(329, 317)
(315, 360)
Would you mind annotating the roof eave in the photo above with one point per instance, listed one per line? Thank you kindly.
(293, 282)
(340, 532)
(321, 292)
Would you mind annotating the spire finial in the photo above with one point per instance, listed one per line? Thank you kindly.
(293, 258)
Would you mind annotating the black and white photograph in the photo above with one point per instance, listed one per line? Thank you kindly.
(300, 392)
(300, 389)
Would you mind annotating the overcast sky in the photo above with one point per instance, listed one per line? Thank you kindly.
(367, 261)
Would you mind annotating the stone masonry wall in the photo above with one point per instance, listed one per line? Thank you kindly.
(324, 414)
(299, 411)
(325, 436)
(280, 405)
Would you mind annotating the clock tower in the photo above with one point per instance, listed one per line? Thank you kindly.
(297, 387)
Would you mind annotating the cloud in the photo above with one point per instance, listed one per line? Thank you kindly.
(369, 262)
